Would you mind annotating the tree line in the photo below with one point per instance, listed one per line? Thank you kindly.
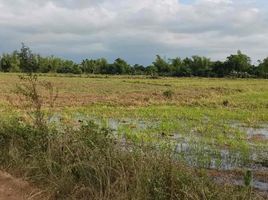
(235, 65)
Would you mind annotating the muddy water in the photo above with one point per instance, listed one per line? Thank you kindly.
(261, 131)
(190, 148)
(259, 185)
(198, 154)
(193, 150)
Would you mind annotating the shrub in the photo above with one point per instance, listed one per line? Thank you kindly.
(168, 94)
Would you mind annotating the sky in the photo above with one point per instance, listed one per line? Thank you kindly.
(135, 30)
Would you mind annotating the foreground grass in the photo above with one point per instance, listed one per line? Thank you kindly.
(89, 163)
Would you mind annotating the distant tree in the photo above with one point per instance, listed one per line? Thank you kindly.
(218, 69)
(69, 66)
(76, 69)
(5, 64)
(151, 70)
(44, 64)
(9, 62)
(176, 66)
(65, 70)
(55, 63)
(162, 65)
(138, 69)
(200, 66)
(264, 65)
(28, 61)
(238, 62)
(15, 62)
(262, 69)
(238, 65)
(120, 66)
(89, 66)
(102, 65)
(187, 62)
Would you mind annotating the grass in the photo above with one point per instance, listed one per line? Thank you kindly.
(124, 91)
(90, 163)
(205, 105)
(167, 113)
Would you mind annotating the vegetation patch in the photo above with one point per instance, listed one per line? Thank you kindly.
(98, 138)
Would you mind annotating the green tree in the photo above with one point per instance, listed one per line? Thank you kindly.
(89, 66)
(239, 62)
(10, 62)
(200, 66)
(176, 65)
(138, 69)
(102, 66)
(28, 61)
(262, 69)
(162, 65)
(120, 66)
(5, 64)
(76, 69)
(219, 69)
(151, 70)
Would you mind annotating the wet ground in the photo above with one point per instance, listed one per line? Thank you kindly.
(196, 153)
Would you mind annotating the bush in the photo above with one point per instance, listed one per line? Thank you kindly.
(168, 94)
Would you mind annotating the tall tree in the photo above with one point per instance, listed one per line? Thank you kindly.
(200, 66)
(219, 69)
(5, 64)
(238, 62)
(262, 69)
(121, 66)
(28, 61)
(162, 65)
(89, 66)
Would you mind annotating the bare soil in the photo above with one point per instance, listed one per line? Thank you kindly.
(16, 189)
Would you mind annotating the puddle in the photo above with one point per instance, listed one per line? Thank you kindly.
(55, 118)
(189, 148)
(137, 124)
(256, 184)
(252, 132)
(197, 153)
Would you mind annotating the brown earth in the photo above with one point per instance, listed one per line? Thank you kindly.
(16, 189)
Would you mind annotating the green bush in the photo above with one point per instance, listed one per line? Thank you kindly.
(168, 94)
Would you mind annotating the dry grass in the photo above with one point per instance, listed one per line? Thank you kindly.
(88, 163)
(124, 91)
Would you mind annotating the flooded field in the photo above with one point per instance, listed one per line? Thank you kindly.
(219, 125)
(195, 150)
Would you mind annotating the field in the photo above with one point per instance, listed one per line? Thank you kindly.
(220, 125)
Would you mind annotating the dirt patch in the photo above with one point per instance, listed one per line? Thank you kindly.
(236, 178)
(16, 189)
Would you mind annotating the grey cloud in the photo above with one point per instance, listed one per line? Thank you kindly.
(134, 29)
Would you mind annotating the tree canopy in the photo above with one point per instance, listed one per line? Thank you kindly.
(238, 65)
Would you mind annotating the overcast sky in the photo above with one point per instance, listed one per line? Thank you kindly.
(135, 30)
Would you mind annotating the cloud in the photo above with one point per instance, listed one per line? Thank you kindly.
(136, 30)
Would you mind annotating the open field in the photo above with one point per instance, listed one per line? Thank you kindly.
(231, 111)
(140, 91)
(216, 124)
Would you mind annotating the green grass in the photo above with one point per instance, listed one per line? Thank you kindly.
(207, 106)
(204, 112)
(90, 163)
